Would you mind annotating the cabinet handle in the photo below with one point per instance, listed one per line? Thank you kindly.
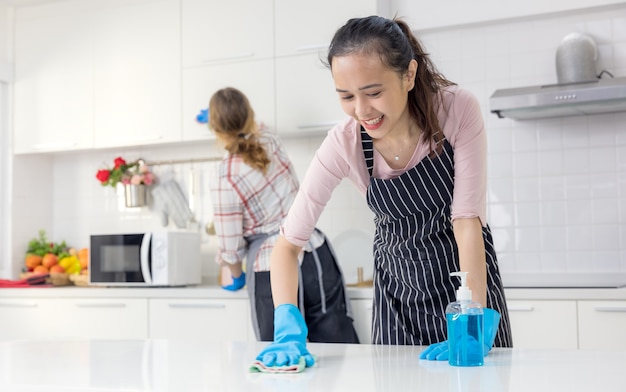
(233, 57)
(318, 125)
(18, 305)
(54, 146)
(306, 48)
(197, 306)
(109, 305)
(609, 308)
(520, 308)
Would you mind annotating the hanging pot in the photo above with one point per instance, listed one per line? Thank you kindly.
(135, 195)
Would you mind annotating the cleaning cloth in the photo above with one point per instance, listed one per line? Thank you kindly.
(259, 367)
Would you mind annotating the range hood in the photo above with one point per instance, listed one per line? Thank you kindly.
(579, 90)
(599, 96)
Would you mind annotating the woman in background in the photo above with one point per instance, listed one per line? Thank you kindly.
(255, 188)
(414, 144)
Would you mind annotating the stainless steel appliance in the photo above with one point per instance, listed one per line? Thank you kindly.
(579, 90)
(160, 258)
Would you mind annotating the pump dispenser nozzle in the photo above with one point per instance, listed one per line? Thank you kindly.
(463, 293)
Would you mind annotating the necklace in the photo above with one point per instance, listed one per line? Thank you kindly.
(396, 156)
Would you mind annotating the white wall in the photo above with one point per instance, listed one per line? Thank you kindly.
(5, 139)
(557, 187)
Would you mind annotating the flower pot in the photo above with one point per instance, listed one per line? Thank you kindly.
(135, 195)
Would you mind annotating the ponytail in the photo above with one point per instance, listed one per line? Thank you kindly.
(232, 118)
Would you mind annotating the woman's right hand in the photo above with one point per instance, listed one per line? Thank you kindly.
(227, 277)
(290, 332)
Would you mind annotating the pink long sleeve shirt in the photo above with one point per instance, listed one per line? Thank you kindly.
(341, 156)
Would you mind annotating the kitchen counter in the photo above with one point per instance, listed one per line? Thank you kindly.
(214, 291)
(171, 365)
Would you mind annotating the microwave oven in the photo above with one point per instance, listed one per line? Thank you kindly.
(159, 258)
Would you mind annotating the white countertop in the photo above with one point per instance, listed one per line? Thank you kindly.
(214, 291)
(169, 365)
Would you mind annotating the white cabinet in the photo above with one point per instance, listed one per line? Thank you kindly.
(307, 26)
(54, 80)
(214, 31)
(253, 78)
(306, 101)
(213, 320)
(305, 104)
(98, 318)
(362, 313)
(97, 74)
(137, 73)
(602, 324)
(543, 324)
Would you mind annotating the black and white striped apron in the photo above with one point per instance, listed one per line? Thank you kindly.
(415, 252)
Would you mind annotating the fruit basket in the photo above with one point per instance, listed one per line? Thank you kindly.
(62, 265)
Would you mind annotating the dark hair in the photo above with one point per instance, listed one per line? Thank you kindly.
(396, 45)
(232, 118)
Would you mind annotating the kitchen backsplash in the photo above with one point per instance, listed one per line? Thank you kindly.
(557, 187)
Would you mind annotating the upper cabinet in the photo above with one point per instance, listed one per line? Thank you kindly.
(253, 78)
(53, 80)
(304, 26)
(117, 73)
(215, 31)
(226, 44)
(97, 74)
(137, 73)
(306, 101)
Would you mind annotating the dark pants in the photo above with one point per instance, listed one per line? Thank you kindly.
(334, 326)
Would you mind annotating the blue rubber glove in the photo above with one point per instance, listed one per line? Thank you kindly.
(289, 344)
(237, 284)
(439, 351)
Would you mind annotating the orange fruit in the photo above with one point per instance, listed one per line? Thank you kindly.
(32, 260)
(49, 260)
(40, 269)
(57, 269)
(83, 257)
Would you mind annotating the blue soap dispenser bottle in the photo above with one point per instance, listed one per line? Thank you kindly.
(465, 327)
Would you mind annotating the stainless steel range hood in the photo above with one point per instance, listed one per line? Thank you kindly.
(579, 90)
(598, 96)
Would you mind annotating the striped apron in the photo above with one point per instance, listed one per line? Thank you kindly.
(415, 252)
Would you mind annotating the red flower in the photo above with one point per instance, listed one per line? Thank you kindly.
(135, 173)
(103, 175)
(119, 162)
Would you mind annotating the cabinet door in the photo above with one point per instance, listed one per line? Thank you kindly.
(306, 100)
(544, 324)
(137, 73)
(305, 26)
(53, 83)
(215, 31)
(362, 312)
(253, 78)
(602, 324)
(98, 318)
(209, 320)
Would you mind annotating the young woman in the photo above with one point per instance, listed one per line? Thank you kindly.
(414, 144)
(256, 186)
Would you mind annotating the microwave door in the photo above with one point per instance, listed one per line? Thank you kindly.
(145, 258)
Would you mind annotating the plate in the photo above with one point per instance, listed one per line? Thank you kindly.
(354, 249)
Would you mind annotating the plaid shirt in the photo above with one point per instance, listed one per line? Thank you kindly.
(247, 202)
